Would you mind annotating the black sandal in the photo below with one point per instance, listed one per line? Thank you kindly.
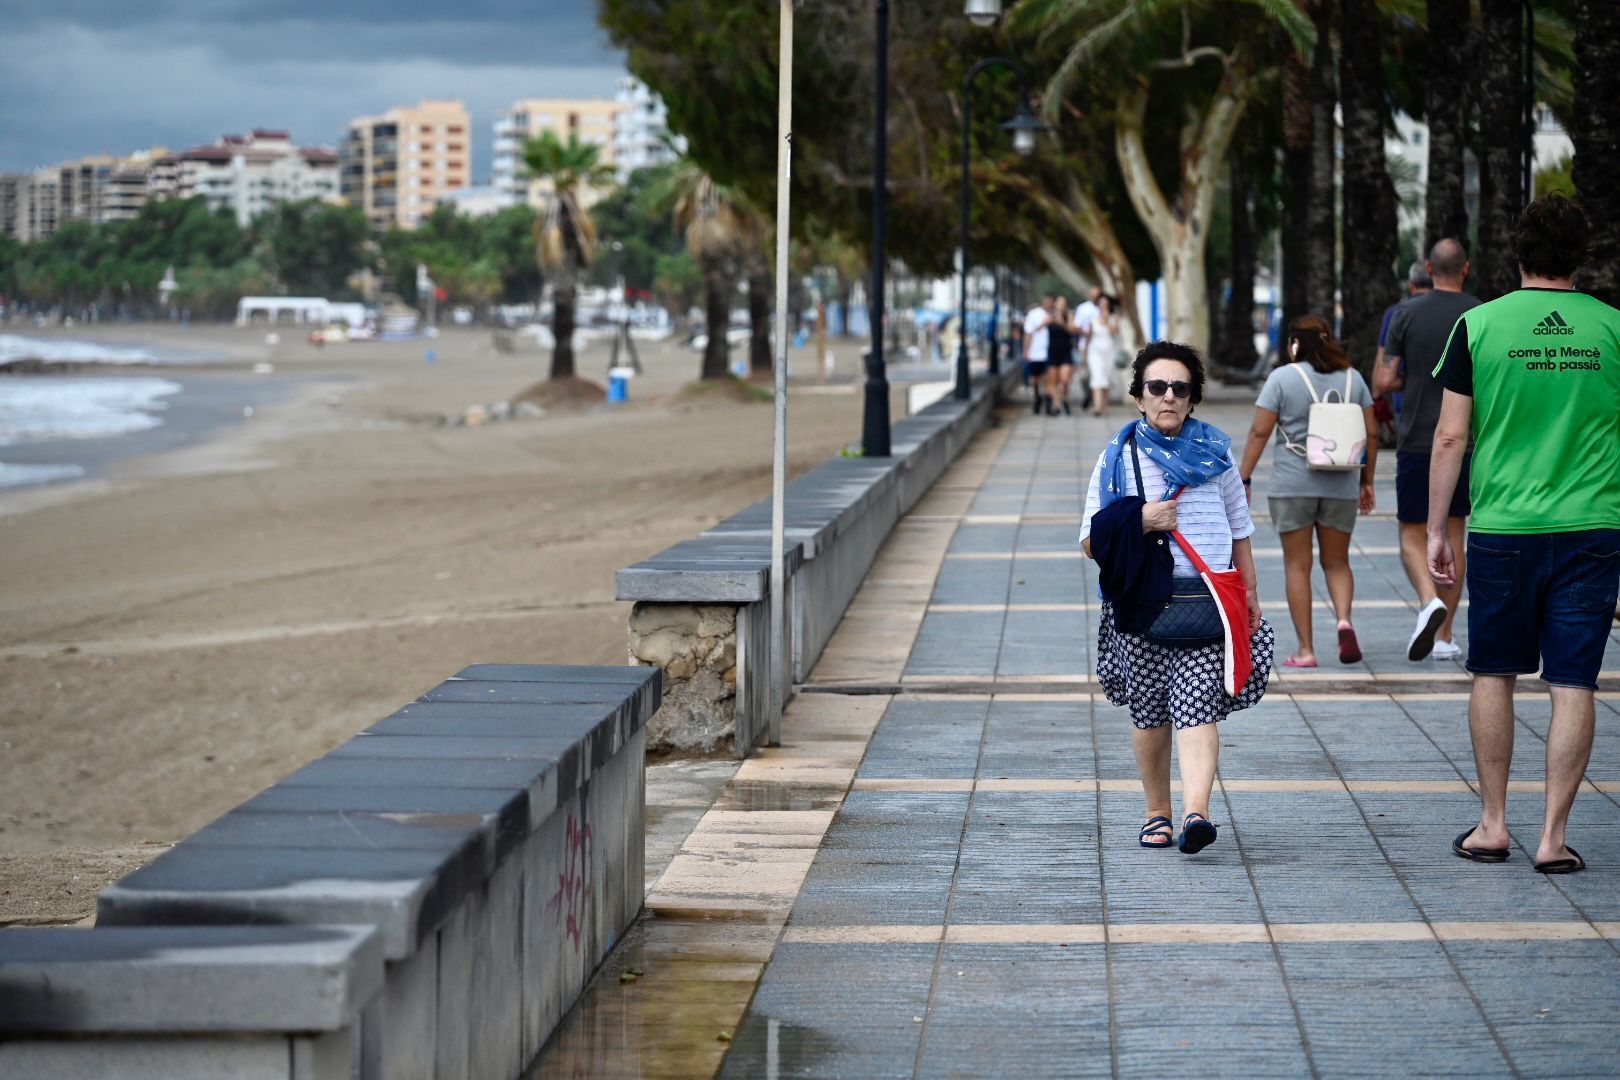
(1562, 866)
(1482, 854)
(1157, 826)
(1197, 833)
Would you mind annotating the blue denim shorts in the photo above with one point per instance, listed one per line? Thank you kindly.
(1542, 600)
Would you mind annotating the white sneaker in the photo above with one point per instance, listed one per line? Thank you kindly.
(1445, 650)
(1428, 624)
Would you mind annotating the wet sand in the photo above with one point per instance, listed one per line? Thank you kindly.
(187, 627)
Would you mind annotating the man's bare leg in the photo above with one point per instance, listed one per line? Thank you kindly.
(1415, 558)
(1457, 531)
(1490, 722)
(1569, 748)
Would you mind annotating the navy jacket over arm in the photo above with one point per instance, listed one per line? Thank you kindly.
(1133, 567)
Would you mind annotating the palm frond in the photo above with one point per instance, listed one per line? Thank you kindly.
(1293, 21)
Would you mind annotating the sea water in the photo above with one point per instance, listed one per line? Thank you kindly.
(41, 408)
(59, 351)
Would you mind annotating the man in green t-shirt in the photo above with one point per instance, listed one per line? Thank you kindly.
(1535, 376)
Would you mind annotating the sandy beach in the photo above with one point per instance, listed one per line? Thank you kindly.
(191, 623)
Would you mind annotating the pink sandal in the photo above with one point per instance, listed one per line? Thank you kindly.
(1296, 662)
(1349, 650)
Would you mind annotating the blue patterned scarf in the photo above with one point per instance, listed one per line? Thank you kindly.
(1200, 453)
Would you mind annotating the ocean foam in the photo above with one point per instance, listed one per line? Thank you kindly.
(36, 408)
(54, 351)
(22, 475)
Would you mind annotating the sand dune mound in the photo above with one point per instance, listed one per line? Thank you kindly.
(570, 394)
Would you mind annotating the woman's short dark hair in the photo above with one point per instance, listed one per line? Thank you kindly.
(1168, 350)
(1316, 345)
(1552, 236)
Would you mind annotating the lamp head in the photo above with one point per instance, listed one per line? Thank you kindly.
(983, 13)
(1025, 125)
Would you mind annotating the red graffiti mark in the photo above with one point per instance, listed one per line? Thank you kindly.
(574, 890)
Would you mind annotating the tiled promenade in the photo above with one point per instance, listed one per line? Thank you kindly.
(938, 874)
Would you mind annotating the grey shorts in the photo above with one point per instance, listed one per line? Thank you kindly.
(1292, 512)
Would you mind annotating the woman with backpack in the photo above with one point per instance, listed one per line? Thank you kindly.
(1327, 444)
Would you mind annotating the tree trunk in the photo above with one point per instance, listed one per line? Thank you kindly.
(1446, 103)
(1501, 134)
(1597, 141)
(1322, 248)
(1180, 229)
(562, 327)
(759, 323)
(1371, 239)
(717, 318)
(1236, 349)
(1296, 246)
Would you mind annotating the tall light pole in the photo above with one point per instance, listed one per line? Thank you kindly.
(780, 677)
(875, 419)
(1024, 127)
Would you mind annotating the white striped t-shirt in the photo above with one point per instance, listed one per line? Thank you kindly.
(1210, 516)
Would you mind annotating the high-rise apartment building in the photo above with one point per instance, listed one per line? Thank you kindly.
(641, 130)
(247, 174)
(28, 204)
(396, 166)
(590, 120)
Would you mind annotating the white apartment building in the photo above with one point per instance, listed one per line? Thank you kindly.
(29, 204)
(641, 130)
(247, 174)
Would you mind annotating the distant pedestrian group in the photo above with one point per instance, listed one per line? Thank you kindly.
(1057, 339)
(1509, 413)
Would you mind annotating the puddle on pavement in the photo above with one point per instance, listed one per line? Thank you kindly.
(660, 1002)
(767, 795)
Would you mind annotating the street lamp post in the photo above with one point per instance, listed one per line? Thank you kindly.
(1024, 127)
(875, 419)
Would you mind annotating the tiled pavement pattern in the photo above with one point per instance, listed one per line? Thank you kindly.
(978, 905)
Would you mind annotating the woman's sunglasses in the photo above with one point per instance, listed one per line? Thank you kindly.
(1157, 387)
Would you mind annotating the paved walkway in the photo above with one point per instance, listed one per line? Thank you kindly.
(938, 874)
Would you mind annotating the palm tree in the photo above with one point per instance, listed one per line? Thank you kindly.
(1501, 135)
(564, 235)
(715, 219)
(1597, 140)
(1371, 232)
(1445, 81)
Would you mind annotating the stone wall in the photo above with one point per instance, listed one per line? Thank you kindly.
(696, 646)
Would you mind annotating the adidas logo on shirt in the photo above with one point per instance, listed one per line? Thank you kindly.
(1553, 324)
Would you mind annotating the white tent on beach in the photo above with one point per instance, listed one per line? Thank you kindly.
(316, 310)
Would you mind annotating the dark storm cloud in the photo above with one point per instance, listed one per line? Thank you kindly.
(82, 77)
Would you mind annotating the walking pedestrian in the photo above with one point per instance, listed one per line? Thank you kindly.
(1169, 473)
(1061, 332)
(1101, 345)
(1417, 334)
(1083, 315)
(1533, 375)
(1305, 500)
(1035, 347)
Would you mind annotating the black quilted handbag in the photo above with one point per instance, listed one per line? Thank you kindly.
(1190, 619)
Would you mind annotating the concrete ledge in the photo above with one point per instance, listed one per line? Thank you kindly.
(236, 980)
(836, 518)
(482, 847)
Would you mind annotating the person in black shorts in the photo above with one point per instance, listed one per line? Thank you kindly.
(1417, 336)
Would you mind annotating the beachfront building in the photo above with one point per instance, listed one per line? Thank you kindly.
(641, 130)
(481, 200)
(247, 174)
(590, 120)
(28, 204)
(398, 165)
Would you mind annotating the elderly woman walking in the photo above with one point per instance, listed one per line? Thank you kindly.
(1165, 645)
(1304, 498)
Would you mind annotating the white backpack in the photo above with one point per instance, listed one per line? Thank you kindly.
(1336, 433)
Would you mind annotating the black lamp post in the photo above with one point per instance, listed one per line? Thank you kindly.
(875, 419)
(1024, 127)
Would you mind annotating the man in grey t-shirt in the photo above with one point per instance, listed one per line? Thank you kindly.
(1417, 336)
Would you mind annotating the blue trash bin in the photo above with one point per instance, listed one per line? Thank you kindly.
(618, 388)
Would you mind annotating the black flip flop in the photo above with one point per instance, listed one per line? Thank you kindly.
(1481, 854)
(1562, 866)
(1197, 833)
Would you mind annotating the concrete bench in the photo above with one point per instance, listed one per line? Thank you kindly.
(490, 832)
(186, 1003)
(702, 606)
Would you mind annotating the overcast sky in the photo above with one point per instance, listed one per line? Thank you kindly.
(91, 76)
